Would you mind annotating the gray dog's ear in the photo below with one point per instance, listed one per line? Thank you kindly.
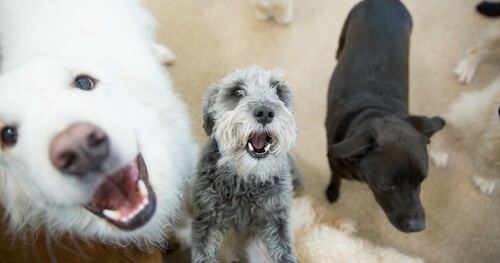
(284, 93)
(356, 145)
(208, 102)
(427, 126)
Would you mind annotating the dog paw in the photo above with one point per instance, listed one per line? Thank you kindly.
(332, 193)
(164, 54)
(440, 159)
(485, 186)
(465, 70)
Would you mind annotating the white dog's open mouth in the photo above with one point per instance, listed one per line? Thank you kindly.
(258, 145)
(125, 198)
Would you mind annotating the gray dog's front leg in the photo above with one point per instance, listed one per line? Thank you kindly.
(278, 239)
(207, 239)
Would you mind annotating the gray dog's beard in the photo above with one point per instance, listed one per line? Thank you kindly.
(246, 166)
(234, 149)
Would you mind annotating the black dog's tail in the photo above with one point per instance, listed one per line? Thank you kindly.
(489, 8)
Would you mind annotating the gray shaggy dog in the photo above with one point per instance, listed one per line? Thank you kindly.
(245, 172)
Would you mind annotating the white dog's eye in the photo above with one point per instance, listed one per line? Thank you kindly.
(84, 82)
(8, 135)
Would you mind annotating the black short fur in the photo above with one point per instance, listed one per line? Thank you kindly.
(371, 135)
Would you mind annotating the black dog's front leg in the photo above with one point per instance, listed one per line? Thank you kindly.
(333, 190)
(278, 239)
(207, 240)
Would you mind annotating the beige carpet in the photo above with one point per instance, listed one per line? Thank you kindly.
(212, 38)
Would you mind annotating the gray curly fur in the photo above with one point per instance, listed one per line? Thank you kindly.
(249, 203)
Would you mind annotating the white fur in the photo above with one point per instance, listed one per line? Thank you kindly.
(233, 127)
(44, 45)
(488, 44)
(474, 121)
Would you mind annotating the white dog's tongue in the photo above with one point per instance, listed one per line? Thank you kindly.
(125, 198)
(259, 141)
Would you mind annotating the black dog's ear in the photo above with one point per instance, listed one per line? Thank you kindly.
(350, 147)
(427, 126)
(208, 102)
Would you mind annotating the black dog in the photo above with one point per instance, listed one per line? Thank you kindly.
(371, 135)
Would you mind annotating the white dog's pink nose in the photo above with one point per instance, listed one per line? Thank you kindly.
(80, 149)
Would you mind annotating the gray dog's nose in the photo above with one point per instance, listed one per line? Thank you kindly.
(79, 149)
(263, 114)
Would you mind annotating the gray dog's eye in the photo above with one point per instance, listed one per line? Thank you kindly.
(8, 135)
(84, 82)
(239, 92)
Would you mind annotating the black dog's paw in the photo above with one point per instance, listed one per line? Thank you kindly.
(489, 8)
(332, 193)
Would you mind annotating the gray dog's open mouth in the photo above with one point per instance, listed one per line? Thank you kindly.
(125, 198)
(258, 145)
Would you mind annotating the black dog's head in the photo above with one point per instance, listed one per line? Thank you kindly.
(390, 155)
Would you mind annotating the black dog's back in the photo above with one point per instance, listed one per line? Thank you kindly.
(374, 46)
(372, 62)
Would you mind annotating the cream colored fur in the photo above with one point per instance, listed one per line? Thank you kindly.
(473, 121)
(317, 240)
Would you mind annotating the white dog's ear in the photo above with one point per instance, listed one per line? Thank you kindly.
(208, 102)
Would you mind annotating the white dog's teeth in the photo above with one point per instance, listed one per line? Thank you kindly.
(268, 146)
(111, 214)
(250, 146)
(143, 190)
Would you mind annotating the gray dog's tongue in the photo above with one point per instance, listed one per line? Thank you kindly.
(259, 141)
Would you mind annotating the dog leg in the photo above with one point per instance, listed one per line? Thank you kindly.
(442, 144)
(333, 190)
(297, 177)
(263, 9)
(165, 55)
(466, 68)
(278, 239)
(207, 240)
(283, 11)
(485, 185)
(486, 165)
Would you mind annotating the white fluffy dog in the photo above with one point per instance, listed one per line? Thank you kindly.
(318, 239)
(474, 119)
(94, 140)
